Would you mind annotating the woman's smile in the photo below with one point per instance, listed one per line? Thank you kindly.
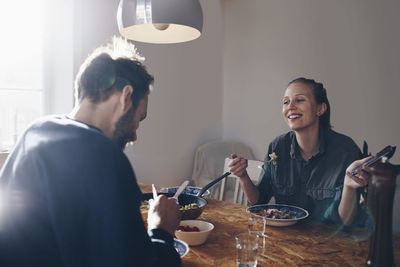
(299, 107)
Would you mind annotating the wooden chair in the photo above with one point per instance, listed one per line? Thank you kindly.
(209, 162)
(253, 169)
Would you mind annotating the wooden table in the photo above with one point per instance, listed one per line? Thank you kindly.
(298, 245)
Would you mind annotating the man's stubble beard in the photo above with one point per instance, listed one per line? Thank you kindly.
(123, 132)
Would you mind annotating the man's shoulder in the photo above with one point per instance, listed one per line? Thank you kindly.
(62, 122)
(53, 141)
(59, 133)
(58, 128)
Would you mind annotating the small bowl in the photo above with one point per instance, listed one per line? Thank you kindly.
(181, 247)
(195, 238)
(189, 190)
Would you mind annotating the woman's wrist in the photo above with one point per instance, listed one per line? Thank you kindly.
(349, 190)
(245, 176)
(250, 189)
(349, 194)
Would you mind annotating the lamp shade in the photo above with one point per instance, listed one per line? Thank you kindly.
(160, 21)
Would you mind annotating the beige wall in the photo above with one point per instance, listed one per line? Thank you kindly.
(185, 108)
(350, 46)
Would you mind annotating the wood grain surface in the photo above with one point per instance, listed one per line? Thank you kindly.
(301, 244)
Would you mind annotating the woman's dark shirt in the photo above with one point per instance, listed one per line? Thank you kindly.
(315, 185)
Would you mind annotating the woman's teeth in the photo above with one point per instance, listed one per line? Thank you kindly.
(294, 116)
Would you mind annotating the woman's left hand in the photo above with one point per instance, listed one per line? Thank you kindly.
(361, 178)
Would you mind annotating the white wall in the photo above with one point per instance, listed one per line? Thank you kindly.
(350, 46)
(185, 107)
(59, 56)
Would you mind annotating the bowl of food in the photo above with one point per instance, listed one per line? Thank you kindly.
(190, 206)
(279, 214)
(189, 190)
(194, 232)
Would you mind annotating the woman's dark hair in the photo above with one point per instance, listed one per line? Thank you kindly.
(320, 96)
(108, 70)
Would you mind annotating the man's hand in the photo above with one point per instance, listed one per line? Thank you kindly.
(163, 213)
(238, 166)
(361, 178)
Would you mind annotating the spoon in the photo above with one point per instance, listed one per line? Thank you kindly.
(204, 189)
(180, 189)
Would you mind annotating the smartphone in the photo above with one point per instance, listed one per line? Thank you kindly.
(386, 152)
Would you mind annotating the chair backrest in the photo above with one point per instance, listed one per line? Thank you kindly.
(209, 161)
(253, 170)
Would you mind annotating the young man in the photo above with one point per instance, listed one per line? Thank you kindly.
(70, 194)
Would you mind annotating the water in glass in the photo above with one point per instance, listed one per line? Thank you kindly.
(246, 250)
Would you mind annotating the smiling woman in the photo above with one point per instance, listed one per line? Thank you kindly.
(21, 67)
(306, 167)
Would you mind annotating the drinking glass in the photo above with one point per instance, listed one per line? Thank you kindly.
(246, 250)
(256, 226)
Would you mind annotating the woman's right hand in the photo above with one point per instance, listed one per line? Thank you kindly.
(238, 166)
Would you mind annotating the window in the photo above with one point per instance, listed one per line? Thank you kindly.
(21, 67)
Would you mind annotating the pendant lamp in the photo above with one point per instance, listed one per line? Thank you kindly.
(160, 21)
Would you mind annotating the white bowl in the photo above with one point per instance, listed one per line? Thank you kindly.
(195, 238)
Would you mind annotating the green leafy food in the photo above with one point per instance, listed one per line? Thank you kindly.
(145, 206)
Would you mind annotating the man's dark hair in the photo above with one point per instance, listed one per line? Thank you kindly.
(109, 69)
(320, 96)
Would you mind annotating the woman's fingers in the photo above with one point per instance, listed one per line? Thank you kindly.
(358, 179)
(238, 166)
(357, 163)
(235, 161)
(361, 178)
(240, 163)
(364, 175)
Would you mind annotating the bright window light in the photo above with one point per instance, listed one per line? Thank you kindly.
(21, 67)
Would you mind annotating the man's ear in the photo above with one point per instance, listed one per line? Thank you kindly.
(125, 98)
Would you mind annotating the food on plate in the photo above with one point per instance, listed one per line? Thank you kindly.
(187, 228)
(189, 206)
(277, 214)
(145, 206)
